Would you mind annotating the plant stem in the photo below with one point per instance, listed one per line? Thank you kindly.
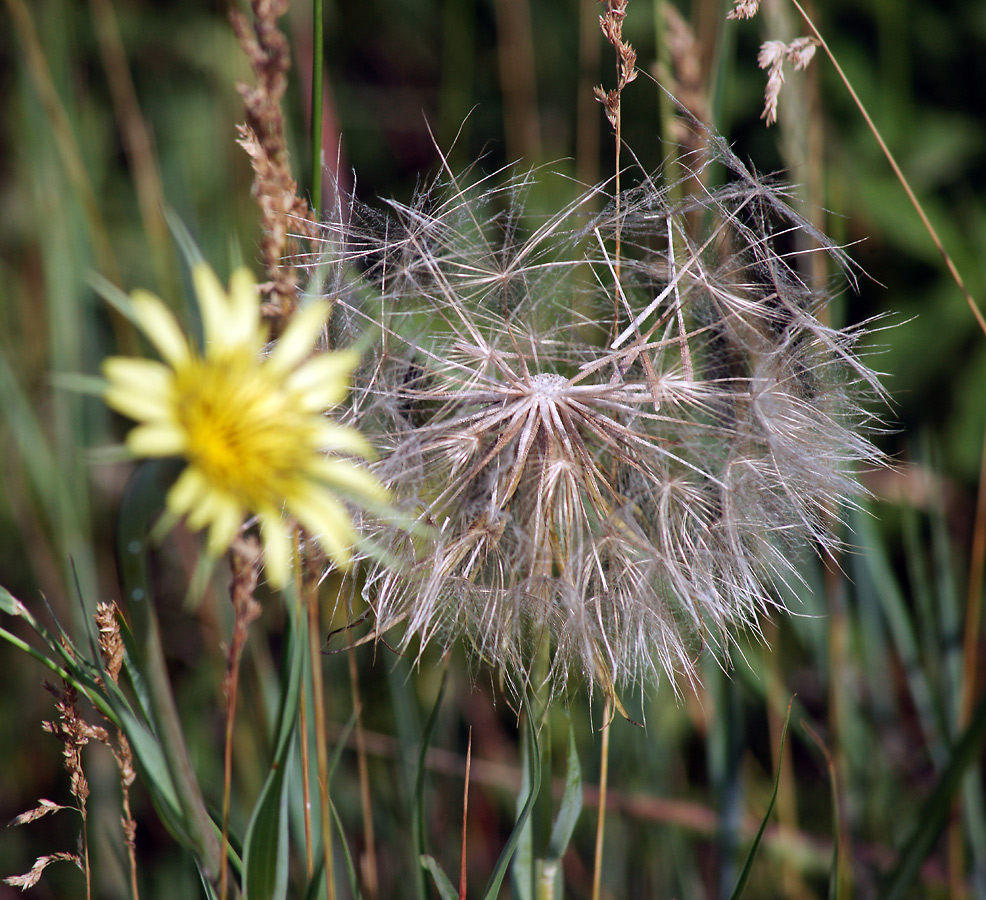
(597, 872)
(306, 784)
(321, 750)
(316, 116)
(369, 867)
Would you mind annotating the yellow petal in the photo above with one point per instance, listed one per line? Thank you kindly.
(229, 320)
(323, 381)
(162, 439)
(350, 478)
(139, 388)
(227, 517)
(299, 337)
(161, 327)
(328, 521)
(278, 550)
(342, 439)
(213, 303)
(244, 307)
(187, 491)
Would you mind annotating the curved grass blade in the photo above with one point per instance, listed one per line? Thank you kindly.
(418, 819)
(936, 810)
(503, 863)
(265, 849)
(748, 865)
(346, 855)
(571, 803)
(445, 888)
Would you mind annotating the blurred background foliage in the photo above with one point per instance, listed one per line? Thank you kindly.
(882, 656)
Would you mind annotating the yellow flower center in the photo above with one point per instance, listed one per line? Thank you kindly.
(247, 433)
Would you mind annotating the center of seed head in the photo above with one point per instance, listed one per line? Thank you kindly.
(548, 385)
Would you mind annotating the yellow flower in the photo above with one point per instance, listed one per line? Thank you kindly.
(250, 427)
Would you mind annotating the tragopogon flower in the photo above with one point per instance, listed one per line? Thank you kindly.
(249, 426)
(625, 466)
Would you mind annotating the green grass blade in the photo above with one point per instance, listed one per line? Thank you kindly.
(748, 865)
(445, 888)
(571, 803)
(417, 805)
(901, 626)
(346, 855)
(523, 870)
(936, 810)
(265, 850)
(503, 863)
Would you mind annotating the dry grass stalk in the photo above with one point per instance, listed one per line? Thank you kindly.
(284, 214)
(111, 651)
(74, 733)
(772, 56)
(30, 879)
(611, 23)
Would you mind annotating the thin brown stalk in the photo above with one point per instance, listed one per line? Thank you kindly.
(246, 571)
(950, 265)
(111, 651)
(838, 689)
(74, 733)
(137, 143)
(465, 818)
(369, 862)
(611, 23)
(597, 869)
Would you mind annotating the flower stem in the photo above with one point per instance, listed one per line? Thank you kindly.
(603, 781)
(316, 116)
(321, 750)
(369, 867)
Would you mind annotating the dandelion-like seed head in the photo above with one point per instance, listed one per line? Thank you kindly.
(250, 425)
(622, 458)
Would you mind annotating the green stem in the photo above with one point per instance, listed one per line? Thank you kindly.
(316, 116)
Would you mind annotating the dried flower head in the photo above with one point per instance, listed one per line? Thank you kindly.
(251, 427)
(744, 9)
(772, 56)
(617, 493)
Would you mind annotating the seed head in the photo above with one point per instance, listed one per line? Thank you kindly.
(622, 489)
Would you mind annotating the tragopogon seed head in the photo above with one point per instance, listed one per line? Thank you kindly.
(623, 468)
